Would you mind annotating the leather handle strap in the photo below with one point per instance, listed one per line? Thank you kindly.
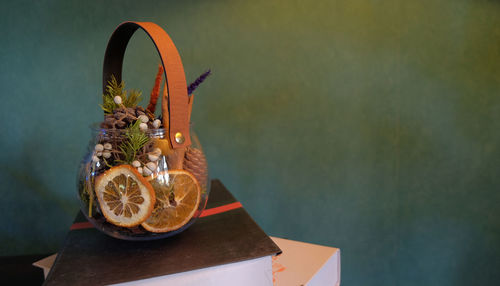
(176, 105)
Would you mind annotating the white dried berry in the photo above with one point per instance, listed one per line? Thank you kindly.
(136, 164)
(153, 158)
(139, 170)
(98, 154)
(156, 151)
(151, 166)
(95, 158)
(157, 123)
(99, 148)
(108, 146)
(143, 126)
(106, 154)
(146, 172)
(143, 118)
(118, 99)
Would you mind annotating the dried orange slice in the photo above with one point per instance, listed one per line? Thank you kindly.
(125, 197)
(177, 198)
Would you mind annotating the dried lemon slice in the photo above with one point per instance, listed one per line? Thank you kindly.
(177, 198)
(125, 197)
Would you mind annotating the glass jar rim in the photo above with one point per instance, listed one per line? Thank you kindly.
(96, 128)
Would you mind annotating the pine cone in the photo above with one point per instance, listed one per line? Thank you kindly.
(139, 110)
(123, 117)
(196, 163)
(119, 119)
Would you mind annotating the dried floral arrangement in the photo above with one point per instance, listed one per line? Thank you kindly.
(132, 144)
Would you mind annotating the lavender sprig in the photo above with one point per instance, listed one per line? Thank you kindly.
(198, 81)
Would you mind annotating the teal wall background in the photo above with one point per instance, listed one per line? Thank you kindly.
(372, 126)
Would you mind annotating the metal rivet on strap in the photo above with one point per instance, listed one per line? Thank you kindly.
(179, 138)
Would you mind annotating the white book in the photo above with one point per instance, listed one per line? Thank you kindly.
(305, 264)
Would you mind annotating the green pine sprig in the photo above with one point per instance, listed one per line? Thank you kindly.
(136, 139)
(133, 98)
(113, 89)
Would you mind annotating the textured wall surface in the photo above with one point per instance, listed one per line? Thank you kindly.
(372, 126)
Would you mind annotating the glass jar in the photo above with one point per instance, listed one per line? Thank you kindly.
(159, 190)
